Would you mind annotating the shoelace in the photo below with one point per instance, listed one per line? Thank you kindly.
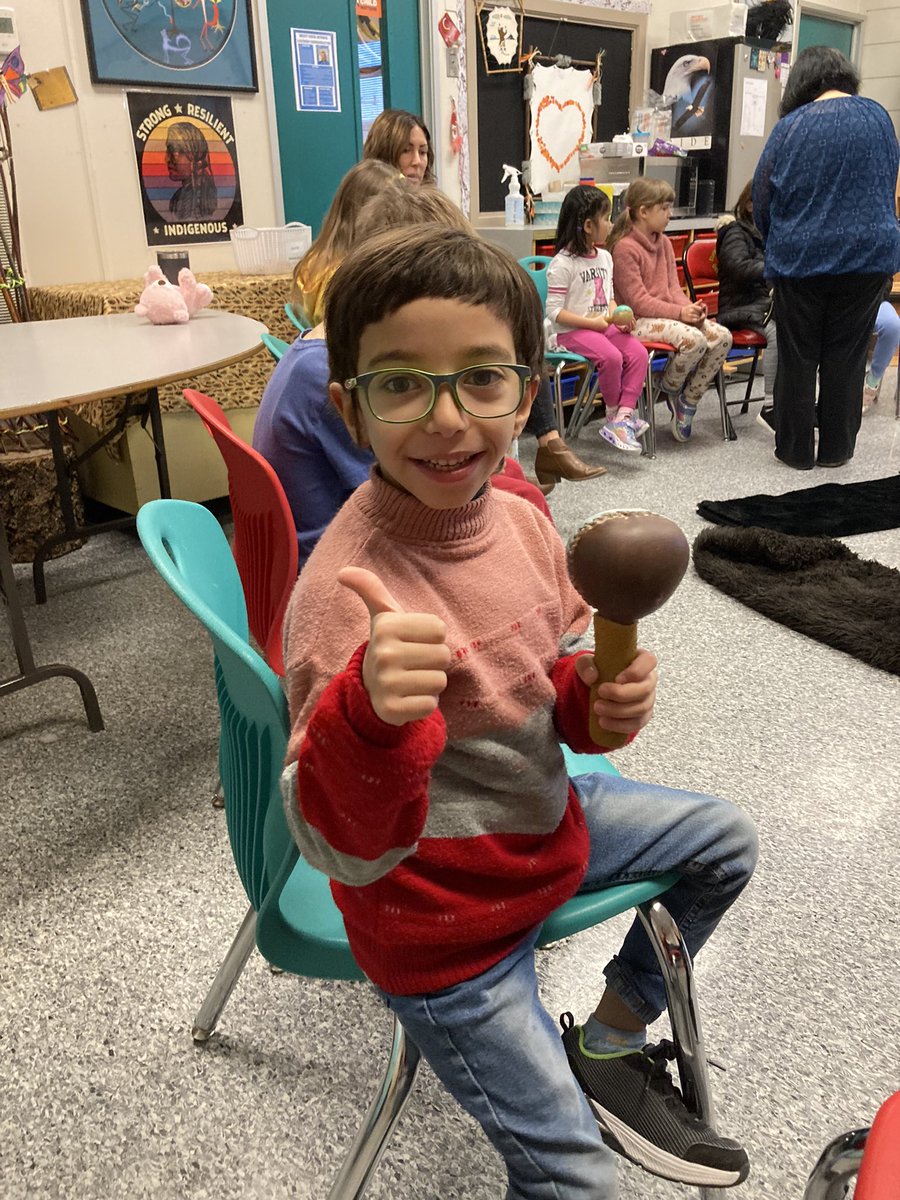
(658, 1078)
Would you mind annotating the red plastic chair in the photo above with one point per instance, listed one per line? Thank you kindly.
(702, 275)
(874, 1152)
(265, 539)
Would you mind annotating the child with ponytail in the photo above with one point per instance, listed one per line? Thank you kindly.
(646, 280)
(580, 304)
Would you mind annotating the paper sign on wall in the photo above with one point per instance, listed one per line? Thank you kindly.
(753, 108)
(562, 109)
(317, 87)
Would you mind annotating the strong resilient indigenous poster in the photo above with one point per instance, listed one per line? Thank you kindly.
(187, 167)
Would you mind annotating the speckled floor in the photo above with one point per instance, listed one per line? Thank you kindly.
(119, 897)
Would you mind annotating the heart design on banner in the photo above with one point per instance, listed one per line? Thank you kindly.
(565, 134)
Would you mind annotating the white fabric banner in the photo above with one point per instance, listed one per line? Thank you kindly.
(561, 110)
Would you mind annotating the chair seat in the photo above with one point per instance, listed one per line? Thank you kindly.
(657, 347)
(307, 908)
(570, 356)
(747, 338)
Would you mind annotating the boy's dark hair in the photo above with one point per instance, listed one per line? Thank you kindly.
(428, 262)
(818, 69)
(582, 203)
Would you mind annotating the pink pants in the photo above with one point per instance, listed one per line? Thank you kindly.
(620, 358)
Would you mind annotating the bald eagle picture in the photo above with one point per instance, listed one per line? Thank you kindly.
(691, 85)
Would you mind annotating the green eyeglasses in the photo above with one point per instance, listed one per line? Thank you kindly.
(400, 395)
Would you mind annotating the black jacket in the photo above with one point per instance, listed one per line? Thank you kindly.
(744, 299)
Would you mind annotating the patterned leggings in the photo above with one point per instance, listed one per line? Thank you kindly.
(699, 349)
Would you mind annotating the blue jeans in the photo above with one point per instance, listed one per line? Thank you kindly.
(493, 1045)
(887, 338)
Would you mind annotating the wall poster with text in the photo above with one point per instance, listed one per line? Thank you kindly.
(187, 167)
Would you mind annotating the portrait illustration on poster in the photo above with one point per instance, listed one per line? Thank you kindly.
(187, 167)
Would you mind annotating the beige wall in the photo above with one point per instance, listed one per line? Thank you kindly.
(75, 167)
(880, 60)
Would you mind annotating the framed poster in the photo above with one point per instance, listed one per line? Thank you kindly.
(206, 44)
(187, 167)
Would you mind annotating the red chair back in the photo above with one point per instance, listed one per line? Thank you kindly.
(265, 540)
(880, 1168)
(702, 273)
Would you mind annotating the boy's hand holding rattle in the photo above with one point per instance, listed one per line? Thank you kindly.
(405, 667)
(625, 564)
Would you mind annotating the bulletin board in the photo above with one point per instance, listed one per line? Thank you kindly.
(501, 106)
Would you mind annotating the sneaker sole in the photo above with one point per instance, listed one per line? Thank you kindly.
(625, 1141)
(612, 440)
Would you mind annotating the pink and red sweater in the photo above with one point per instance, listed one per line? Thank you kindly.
(448, 838)
(645, 277)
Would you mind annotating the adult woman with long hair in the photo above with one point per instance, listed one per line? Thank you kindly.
(338, 233)
(823, 200)
(187, 161)
(402, 139)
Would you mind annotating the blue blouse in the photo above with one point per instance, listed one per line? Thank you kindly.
(823, 191)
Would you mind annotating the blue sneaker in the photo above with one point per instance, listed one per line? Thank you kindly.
(621, 435)
(682, 417)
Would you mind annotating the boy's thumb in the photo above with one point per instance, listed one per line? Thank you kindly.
(370, 590)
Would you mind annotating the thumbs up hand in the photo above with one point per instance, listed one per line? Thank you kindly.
(405, 667)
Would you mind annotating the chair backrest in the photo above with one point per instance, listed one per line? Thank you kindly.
(186, 544)
(275, 346)
(536, 265)
(295, 317)
(701, 273)
(265, 538)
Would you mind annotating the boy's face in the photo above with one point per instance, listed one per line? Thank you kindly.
(443, 459)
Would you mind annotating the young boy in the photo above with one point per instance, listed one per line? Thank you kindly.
(430, 683)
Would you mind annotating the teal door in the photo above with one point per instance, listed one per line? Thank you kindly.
(318, 145)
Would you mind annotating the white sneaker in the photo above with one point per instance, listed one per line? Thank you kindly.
(870, 397)
(621, 435)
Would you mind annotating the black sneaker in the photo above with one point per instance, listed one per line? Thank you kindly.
(642, 1115)
(766, 418)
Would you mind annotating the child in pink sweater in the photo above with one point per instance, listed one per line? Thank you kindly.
(645, 278)
(431, 674)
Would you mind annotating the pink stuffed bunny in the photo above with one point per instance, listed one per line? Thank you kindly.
(164, 304)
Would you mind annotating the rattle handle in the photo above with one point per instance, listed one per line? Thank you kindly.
(615, 648)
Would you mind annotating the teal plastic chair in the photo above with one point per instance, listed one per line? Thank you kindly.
(563, 360)
(292, 917)
(296, 318)
(275, 346)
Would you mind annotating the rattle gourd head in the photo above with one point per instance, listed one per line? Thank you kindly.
(627, 564)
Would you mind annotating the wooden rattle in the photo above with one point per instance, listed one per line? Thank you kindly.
(625, 564)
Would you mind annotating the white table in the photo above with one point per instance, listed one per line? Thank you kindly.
(49, 365)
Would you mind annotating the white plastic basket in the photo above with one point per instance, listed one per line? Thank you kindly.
(271, 251)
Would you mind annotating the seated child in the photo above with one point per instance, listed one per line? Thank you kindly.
(427, 696)
(580, 305)
(745, 299)
(645, 278)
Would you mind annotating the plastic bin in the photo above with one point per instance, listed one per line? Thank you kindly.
(270, 251)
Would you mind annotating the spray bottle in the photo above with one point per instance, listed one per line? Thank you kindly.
(515, 201)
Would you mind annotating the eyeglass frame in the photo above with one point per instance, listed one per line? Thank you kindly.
(361, 382)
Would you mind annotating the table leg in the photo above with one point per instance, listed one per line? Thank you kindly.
(71, 530)
(28, 672)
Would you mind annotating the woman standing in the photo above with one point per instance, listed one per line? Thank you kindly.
(401, 139)
(823, 199)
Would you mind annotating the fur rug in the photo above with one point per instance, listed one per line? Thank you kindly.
(835, 509)
(812, 584)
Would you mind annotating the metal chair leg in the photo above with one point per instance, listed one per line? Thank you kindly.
(745, 407)
(675, 963)
(384, 1112)
(728, 433)
(226, 977)
(650, 436)
(838, 1163)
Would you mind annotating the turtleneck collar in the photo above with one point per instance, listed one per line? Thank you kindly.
(407, 519)
(650, 241)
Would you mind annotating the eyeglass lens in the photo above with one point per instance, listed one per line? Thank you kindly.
(483, 391)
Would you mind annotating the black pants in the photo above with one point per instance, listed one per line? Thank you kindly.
(824, 325)
(542, 418)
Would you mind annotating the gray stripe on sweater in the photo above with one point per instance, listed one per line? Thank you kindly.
(510, 781)
(345, 868)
